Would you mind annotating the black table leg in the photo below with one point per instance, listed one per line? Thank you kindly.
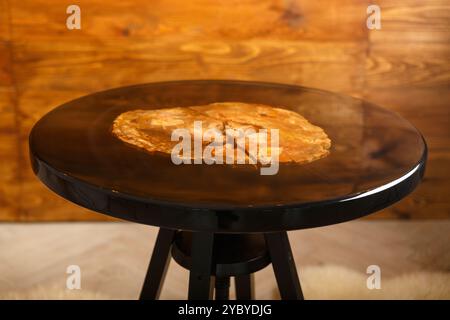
(244, 287)
(158, 265)
(283, 265)
(222, 287)
(200, 284)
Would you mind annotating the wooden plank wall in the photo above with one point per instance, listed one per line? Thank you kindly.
(317, 43)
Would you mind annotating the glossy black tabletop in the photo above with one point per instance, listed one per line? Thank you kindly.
(376, 158)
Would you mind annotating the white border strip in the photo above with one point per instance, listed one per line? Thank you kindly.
(386, 186)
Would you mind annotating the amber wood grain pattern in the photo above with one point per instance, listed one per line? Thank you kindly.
(408, 71)
(325, 44)
(9, 157)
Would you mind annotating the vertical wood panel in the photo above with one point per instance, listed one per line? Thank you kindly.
(9, 159)
(408, 71)
(323, 44)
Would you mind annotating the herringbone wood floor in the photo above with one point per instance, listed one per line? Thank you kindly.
(113, 256)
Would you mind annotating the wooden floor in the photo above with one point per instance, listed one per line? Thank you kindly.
(113, 256)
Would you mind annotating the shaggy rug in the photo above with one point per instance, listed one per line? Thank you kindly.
(318, 282)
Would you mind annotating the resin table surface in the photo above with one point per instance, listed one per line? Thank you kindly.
(376, 158)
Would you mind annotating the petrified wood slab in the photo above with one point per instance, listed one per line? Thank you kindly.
(299, 140)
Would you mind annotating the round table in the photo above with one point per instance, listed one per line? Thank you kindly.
(223, 221)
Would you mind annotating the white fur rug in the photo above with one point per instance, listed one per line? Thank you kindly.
(318, 282)
(335, 282)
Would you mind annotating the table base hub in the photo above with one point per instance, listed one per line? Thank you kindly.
(213, 259)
